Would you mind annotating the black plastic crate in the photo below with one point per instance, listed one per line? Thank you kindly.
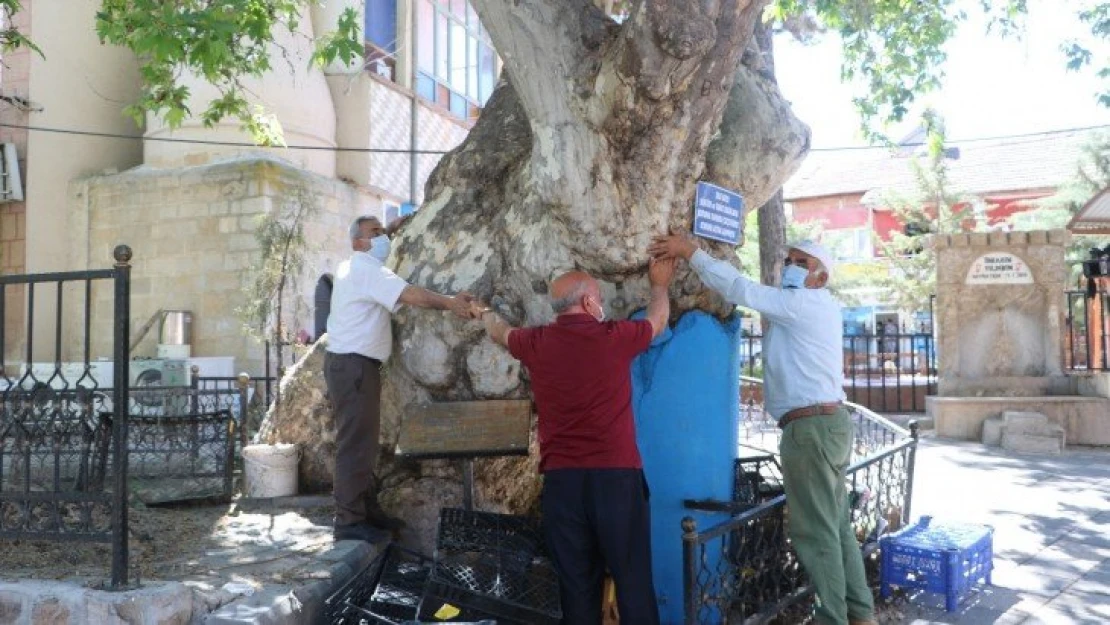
(387, 591)
(495, 564)
(756, 479)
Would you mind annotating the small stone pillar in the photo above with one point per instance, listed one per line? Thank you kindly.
(1000, 314)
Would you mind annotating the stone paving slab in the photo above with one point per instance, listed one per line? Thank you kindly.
(267, 562)
(1051, 517)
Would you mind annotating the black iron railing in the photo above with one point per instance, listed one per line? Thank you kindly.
(1087, 332)
(743, 570)
(63, 469)
(887, 371)
(252, 399)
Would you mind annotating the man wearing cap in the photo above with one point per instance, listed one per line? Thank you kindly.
(804, 387)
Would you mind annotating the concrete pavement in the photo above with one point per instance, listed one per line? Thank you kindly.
(1051, 516)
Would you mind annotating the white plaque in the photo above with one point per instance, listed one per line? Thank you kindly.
(999, 268)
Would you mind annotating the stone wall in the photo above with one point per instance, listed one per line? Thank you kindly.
(15, 82)
(1001, 330)
(192, 232)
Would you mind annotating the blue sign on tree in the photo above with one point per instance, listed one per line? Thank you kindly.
(718, 213)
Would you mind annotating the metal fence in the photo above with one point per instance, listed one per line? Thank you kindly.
(1087, 332)
(63, 467)
(743, 570)
(886, 372)
(183, 442)
(252, 397)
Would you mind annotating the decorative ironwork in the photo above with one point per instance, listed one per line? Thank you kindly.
(182, 445)
(253, 399)
(743, 570)
(63, 468)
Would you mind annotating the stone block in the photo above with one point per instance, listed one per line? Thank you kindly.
(11, 607)
(1031, 443)
(241, 242)
(51, 611)
(1022, 421)
(171, 604)
(1018, 238)
(1058, 237)
(978, 239)
(997, 239)
(1038, 237)
(992, 432)
(271, 604)
(960, 240)
(1084, 418)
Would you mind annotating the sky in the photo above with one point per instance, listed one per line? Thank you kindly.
(993, 86)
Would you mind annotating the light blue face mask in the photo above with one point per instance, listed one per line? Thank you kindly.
(794, 277)
(379, 247)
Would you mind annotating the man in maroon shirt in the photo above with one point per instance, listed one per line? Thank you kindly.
(595, 498)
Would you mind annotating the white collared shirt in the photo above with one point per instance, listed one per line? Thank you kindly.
(803, 348)
(364, 295)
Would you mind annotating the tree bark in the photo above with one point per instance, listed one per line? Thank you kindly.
(772, 239)
(772, 216)
(591, 145)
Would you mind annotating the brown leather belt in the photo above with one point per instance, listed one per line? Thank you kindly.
(808, 411)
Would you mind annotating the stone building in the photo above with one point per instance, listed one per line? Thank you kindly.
(362, 140)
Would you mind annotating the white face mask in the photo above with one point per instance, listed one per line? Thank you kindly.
(380, 247)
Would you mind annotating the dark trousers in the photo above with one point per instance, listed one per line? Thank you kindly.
(354, 387)
(593, 519)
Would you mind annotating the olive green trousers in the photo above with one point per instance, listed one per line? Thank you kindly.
(815, 452)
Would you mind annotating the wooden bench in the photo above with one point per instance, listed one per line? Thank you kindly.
(466, 430)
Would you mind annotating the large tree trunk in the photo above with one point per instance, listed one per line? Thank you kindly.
(590, 146)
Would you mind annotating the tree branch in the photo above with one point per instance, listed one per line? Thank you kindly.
(760, 144)
(544, 45)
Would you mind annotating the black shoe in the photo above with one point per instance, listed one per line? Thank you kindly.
(363, 532)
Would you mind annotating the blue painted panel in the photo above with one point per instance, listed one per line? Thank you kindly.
(685, 392)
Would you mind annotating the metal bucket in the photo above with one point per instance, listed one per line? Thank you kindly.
(177, 328)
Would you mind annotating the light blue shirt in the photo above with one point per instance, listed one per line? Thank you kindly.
(803, 347)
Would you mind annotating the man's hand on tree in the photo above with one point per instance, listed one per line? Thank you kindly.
(661, 271)
(477, 309)
(461, 305)
(396, 224)
(672, 246)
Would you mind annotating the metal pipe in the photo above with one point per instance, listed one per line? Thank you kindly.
(689, 569)
(120, 342)
(915, 435)
(244, 382)
(413, 114)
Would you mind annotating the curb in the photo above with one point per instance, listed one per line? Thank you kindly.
(299, 605)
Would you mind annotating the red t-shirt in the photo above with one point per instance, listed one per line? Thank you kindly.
(582, 383)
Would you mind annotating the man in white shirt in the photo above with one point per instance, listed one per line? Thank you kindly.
(804, 391)
(360, 338)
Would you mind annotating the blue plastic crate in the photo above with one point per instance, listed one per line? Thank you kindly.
(937, 556)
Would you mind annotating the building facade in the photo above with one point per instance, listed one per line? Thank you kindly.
(849, 192)
(362, 140)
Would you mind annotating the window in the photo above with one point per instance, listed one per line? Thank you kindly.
(456, 67)
(381, 24)
(381, 37)
(849, 244)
